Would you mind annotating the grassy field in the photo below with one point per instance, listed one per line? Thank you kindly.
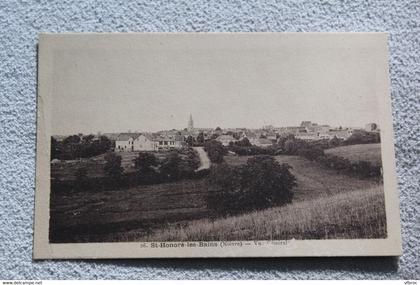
(313, 181)
(359, 214)
(367, 152)
(171, 210)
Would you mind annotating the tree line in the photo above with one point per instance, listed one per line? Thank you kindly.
(79, 146)
(149, 169)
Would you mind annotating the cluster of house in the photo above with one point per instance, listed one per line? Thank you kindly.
(263, 137)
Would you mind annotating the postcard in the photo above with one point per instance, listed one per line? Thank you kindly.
(179, 145)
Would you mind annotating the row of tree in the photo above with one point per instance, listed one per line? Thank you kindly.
(79, 146)
(149, 170)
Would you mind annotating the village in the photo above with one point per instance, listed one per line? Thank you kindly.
(263, 137)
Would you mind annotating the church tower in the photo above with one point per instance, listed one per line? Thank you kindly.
(190, 124)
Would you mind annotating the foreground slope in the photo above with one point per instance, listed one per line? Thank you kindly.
(359, 214)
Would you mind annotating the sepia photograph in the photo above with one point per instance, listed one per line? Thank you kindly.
(200, 145)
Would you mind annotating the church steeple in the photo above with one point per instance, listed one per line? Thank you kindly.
(190, 124)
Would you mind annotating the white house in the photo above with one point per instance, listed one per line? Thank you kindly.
(307, 136)
(125, 141)
(169, 141)
(144, 142)
(147, 142)
(341, 134)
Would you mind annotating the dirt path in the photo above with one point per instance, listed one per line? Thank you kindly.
(204, 159)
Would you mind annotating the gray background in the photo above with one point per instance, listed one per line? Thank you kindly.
(20, 22)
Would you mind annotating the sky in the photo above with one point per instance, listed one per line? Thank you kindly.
(110, 87)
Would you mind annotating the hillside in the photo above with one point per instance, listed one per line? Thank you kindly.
(312, 180)
(360, 214)
(134, 213)
(367, 152)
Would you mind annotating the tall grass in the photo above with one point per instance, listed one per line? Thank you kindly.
(359, 214)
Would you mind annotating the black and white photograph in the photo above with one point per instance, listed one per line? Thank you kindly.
(241, 144)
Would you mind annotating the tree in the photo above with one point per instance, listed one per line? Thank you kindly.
(88, 139)
(145, 162)
(200, 138)
(267, 182)
(113, 165)
(105, 144)
(190, 140)
(334, 142)
(74, 139)
(170, 166)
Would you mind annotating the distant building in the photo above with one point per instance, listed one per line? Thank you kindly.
(226, 139)
(169, 141)
(311, 136)
(148, 142)
(306, 124)
(262, 142)
(125, 141)
(144, 142)
(268, 127)
(111, 136)
(341, 134)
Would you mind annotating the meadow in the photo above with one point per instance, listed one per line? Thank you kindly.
(103, 214)
(358, 214)
(367, 152)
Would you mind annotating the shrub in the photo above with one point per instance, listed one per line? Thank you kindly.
(253, 150)
(262, 182)
(170, 166)
(112, 165)
(362, 169)
(145, 162)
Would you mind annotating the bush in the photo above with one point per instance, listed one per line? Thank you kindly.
(255, 150)
(145, 162)
(170, 167)
(262, 182)
(363, 137)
